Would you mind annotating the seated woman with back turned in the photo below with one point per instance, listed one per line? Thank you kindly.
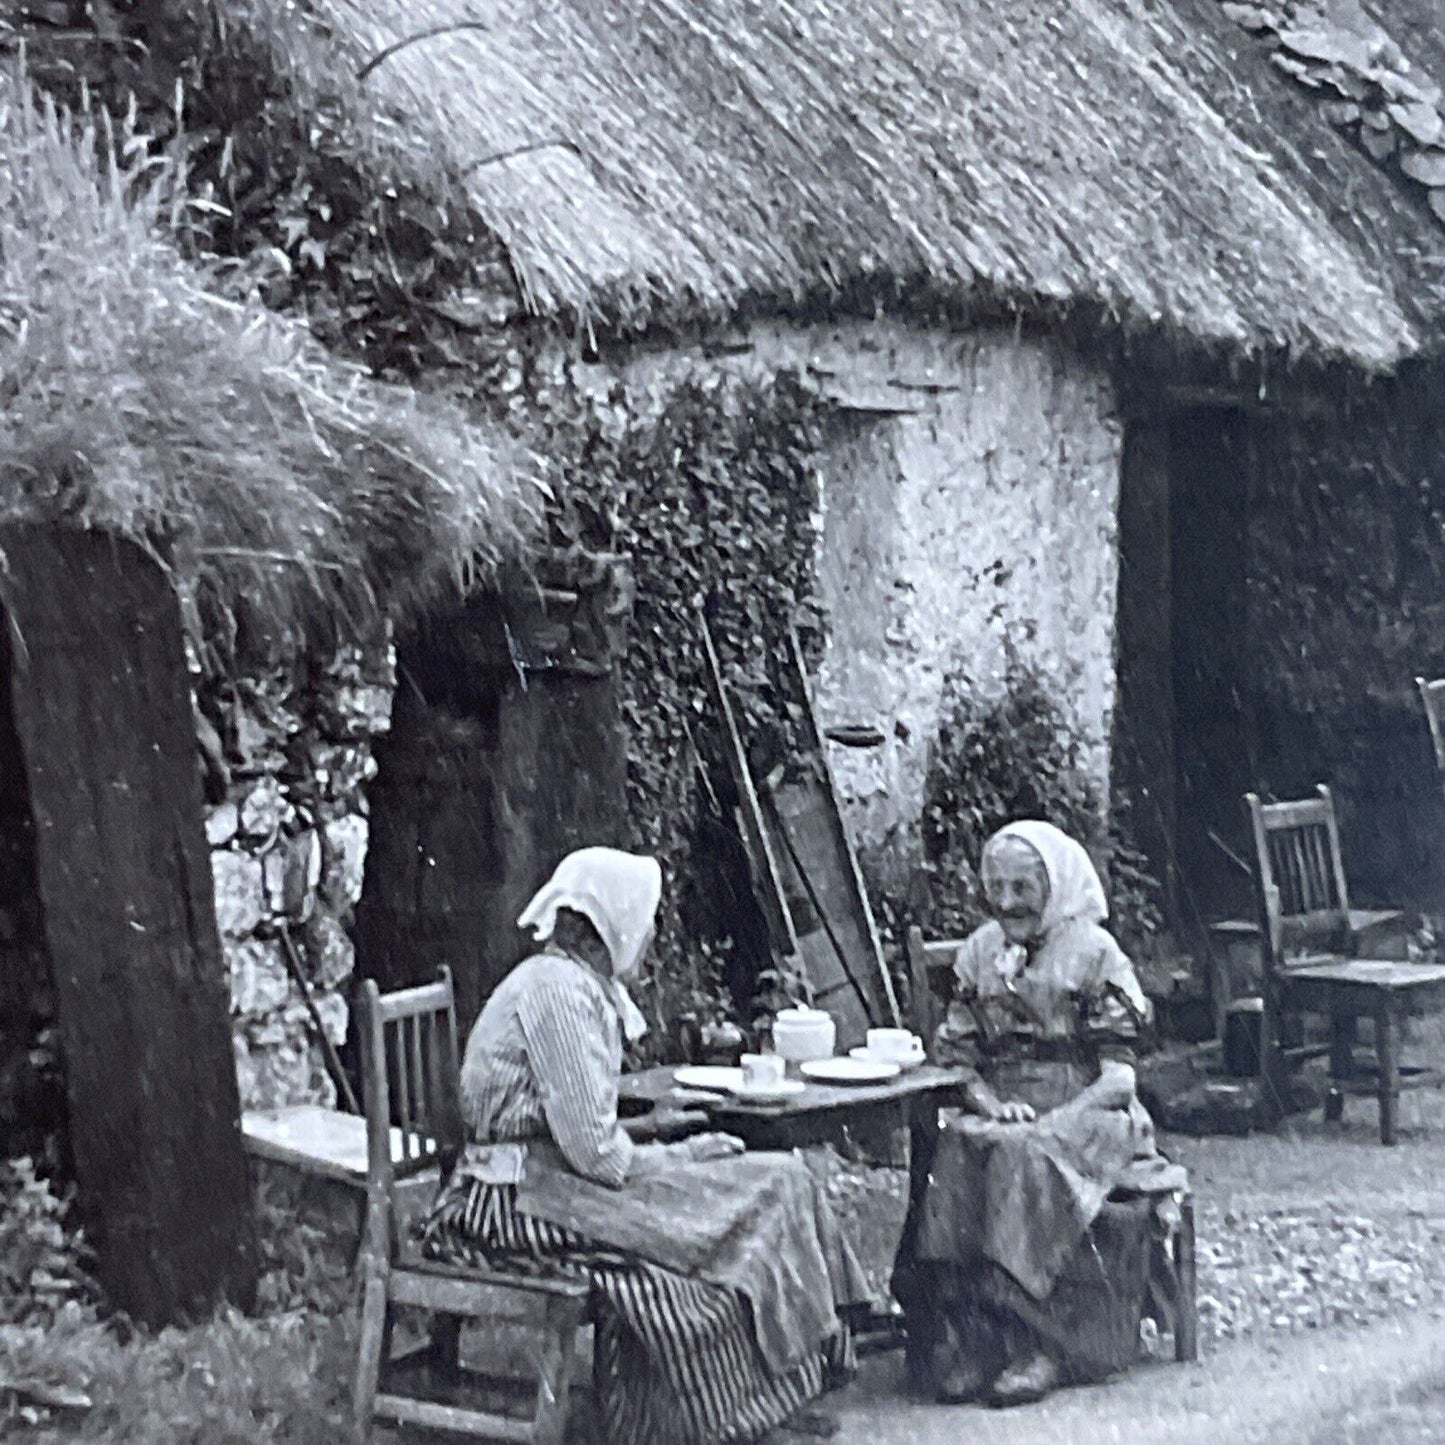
(1027, 1262)
(719, 1275)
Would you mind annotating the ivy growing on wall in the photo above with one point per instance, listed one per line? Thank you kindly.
(706, 480)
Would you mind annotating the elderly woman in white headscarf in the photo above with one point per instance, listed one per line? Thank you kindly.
(718, 1276)
(1027, 1262)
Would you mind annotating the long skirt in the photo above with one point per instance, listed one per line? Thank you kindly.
(1089, 1322)
(1017, 1243)
(676, 1360)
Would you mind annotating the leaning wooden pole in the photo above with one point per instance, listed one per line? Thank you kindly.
(101, 697)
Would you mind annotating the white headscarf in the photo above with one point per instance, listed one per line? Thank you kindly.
(1075, 892)
(618, 893)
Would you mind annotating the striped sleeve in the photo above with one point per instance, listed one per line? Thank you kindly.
(576, 1078)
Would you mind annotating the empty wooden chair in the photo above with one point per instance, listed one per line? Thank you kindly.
(1297, 851)
(1312, 939)
(411, 1088)
(930, 975)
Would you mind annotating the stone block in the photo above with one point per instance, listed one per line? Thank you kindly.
(239, 892)
(359, 710)
(341, 770)
(271, 1076)
(334, 1016)
(260, 983)
(264, 810)
(330, 954)
(292, 872)
(221, 824)
(345, 860)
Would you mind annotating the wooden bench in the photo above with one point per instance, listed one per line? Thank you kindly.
(314, 1140)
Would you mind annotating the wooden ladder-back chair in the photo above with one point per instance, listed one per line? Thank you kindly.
(1297, 852)
(414, 1128)
(930, 978)
(1312, 941)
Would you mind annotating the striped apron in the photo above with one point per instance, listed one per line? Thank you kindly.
(677, 1362)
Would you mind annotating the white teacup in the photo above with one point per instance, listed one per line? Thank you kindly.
(762, 1073)
(896, 1046)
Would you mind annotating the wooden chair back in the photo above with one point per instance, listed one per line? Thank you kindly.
(930, 982)
(410, 1080)
(1432, 694)
(1304, 901)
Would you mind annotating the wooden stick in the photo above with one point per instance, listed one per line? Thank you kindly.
(328, 1050)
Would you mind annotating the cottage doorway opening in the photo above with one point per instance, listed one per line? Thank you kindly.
(502, 758)
(1210, 469)
(1184, 749)
(110, 877)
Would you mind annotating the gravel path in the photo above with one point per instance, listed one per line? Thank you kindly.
(1314, 1267)
(1318, 1248)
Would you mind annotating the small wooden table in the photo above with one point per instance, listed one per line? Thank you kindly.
(1381, 988)
(821, 1114)
(826, 1114)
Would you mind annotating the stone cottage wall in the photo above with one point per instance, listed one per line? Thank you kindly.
(980, 515)
(289, 755)
(970, 502)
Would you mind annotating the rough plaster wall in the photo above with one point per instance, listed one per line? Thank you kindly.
(990, 514)
(1008, 453)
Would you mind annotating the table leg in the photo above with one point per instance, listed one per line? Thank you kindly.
(922, 1150)
(1387, 1051)
(1342, 1061)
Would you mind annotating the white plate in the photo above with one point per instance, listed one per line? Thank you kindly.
(715, 1080)
(850, 1071)
(783, 1089)
(710, 1077)
(861, 1052)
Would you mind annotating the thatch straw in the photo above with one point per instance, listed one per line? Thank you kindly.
(660, 160)
(139, 400)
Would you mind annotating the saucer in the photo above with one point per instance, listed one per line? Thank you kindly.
(861, 1052)
(709, 1078)
(850, 1071)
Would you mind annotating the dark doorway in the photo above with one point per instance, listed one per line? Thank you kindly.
(1210, 465)
(494, 770)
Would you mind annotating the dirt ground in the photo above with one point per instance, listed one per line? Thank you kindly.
(1322, 1311)
(1322, 1302)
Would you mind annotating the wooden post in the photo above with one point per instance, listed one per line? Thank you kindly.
(101, 698)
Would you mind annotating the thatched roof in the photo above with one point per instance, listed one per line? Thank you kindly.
(139, 399)
(650, 161)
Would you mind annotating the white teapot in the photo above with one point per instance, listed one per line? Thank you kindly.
(802, 1034)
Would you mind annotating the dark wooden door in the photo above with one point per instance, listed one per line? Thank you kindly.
(433, 858)
(473, 807)
(1209, 460)
(102, 708)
